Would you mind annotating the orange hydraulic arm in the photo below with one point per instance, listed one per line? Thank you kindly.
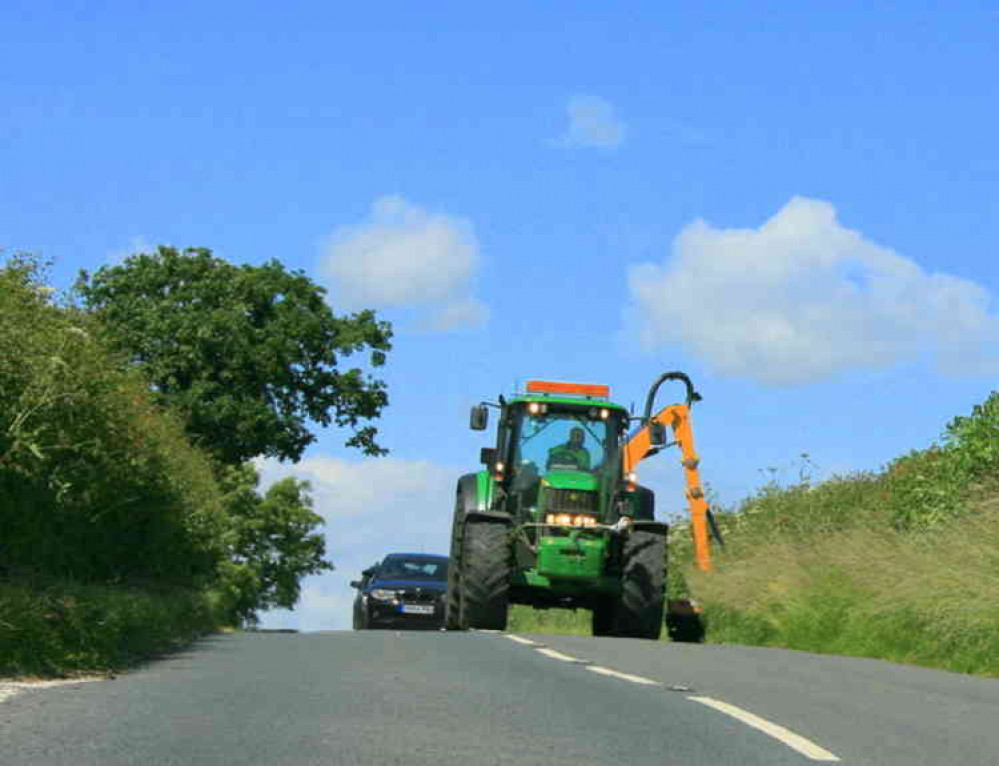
(639, 446)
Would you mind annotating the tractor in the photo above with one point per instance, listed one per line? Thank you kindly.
(556, 518)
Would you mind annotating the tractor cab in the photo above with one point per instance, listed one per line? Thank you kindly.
(559, 452)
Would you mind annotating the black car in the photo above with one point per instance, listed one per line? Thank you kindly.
(405, 590)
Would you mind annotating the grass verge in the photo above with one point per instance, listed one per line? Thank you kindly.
(926, 597)
(64, 629)
(561, 622)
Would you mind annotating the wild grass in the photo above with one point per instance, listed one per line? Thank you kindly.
(902, 564)
(65, 629)
(564, 622)
(926, 599)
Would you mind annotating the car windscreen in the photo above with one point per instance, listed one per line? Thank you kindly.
(413, 569)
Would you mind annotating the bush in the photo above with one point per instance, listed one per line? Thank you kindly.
(96, 484)
(61, 628)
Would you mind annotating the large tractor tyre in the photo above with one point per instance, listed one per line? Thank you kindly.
(465, 501)
(452, 597)
(485, 575)
(639, 611)
(452, 600)
(602, 617)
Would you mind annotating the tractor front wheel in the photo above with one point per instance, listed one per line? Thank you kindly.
(452, 603)
(484, 580)
(639, 612)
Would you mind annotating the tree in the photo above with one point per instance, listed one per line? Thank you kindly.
(248, 354)
(274, 542)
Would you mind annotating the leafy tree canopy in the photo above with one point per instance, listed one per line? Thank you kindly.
(275, 541)
(248, 354)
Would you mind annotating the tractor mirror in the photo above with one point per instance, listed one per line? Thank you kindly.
(657, 434)
(479, 418)
(487, 456)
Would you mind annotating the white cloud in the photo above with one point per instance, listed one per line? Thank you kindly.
(802, 299)
(404, 256)
(592, 123)
(371, 507)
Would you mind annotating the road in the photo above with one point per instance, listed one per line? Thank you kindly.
(386, 697)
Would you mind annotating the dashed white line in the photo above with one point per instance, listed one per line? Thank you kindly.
(522, 640)
(794, 741)
(623, 676)
(559, 656)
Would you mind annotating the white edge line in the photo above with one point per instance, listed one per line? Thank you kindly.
(558, 655)
(794, 741)
(521, 640)
(10, 689)
(623, 676)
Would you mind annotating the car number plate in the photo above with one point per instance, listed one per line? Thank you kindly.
(417, 609)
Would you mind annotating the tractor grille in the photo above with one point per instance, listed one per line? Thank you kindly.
(571, 501)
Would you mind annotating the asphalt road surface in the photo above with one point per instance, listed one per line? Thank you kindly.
(386, 697)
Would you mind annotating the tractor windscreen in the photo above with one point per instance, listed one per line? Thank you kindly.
(564, 440)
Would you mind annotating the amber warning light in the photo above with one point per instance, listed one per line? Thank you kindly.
(580, 389)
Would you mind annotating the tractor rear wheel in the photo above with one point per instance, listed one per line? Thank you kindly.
(639, 612)
(484, 581)
(602, 618)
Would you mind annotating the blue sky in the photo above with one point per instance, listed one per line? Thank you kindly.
(796, 206)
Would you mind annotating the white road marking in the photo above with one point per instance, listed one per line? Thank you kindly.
(559, 656)
(522, 640)
(794, 741)
(10, 689)
(623, 676)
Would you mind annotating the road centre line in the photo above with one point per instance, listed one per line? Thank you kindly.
(521, 640)
(794, 741)
(623, 676)
(559, 656)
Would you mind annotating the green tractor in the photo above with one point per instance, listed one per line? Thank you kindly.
(556, 518)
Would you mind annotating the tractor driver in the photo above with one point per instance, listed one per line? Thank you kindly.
(571, 453)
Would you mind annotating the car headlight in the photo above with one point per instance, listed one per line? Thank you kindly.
(380, 594)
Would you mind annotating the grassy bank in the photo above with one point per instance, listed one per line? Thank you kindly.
(901, 564)
(62, 629)
(928, 599)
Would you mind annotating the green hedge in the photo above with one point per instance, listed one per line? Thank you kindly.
(64, 629)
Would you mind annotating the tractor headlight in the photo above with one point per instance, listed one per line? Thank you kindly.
(380, 594)
(571, 520)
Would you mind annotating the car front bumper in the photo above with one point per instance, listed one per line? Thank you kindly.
(385, 614)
